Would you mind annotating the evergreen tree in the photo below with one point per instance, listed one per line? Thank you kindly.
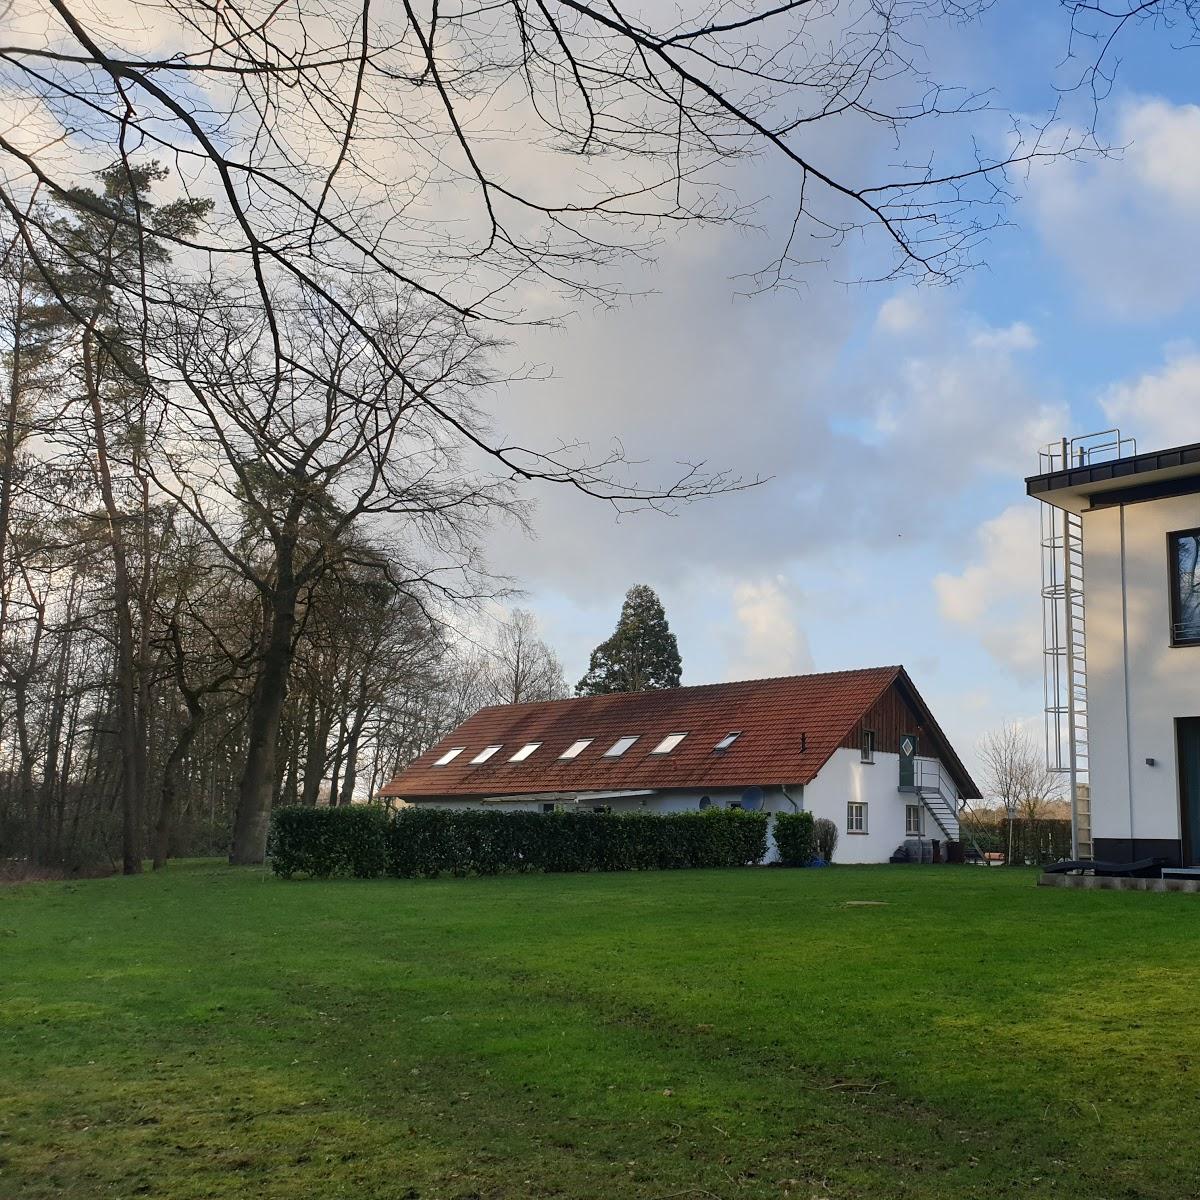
(641, 656)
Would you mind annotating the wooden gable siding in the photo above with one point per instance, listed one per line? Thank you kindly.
(890, 718)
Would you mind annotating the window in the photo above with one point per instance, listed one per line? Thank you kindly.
(485, 754)
(602, 808)
(548, 808)
(525, 751)
(913, 824)
(705, 802)
(868, 745)
(1185, 587)
(449, 756)
(668, 743)
(575, 749)
(620, 746)
(856, 817)
(728, 740)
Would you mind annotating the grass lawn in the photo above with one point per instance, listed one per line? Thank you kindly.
(214, 1032)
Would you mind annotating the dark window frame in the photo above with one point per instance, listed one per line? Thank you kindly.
(867, 747)
(1174, 580)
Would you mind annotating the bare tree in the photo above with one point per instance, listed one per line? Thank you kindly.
(521, 667)
(335, 142)
(1016, 774)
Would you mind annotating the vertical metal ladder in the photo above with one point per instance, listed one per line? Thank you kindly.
(1064, 628)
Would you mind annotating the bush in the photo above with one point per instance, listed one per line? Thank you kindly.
(329, 841)
(795, 838)
(826, 834)
(427, 842)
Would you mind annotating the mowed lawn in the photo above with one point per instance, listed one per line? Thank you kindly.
(217, 1033)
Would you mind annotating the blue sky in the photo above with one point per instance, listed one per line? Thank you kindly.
(896, 422)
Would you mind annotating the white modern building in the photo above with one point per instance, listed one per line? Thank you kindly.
(1121, 548)
(858, 747)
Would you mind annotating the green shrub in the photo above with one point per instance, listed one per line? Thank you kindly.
(826, 833)
(426, 842)
(795, 838)
(329, 841)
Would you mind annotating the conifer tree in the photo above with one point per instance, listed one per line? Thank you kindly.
(641, 656)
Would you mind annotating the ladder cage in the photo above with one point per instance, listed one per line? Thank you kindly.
(1064, 626)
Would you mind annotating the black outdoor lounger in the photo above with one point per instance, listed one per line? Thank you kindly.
(1143, 868)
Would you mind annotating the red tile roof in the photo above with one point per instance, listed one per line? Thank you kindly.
(790, 726)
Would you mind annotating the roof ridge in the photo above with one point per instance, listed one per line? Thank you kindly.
(696, 687)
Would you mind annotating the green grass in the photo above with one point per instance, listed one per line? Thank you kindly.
(217, 1033)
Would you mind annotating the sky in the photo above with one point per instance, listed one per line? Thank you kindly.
(893, 424)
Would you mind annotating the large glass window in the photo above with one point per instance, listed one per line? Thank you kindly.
(1185, 587)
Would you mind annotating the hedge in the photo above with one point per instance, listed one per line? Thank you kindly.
(795, 838)
(329, 841)
(365, 841)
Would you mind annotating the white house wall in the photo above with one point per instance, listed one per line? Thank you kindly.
(1138, 683)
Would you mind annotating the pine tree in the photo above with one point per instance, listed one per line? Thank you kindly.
(641, 656)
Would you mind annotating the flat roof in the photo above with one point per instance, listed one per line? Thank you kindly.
(1125, 480)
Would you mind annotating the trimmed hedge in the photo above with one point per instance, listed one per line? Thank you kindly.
(329, 841)
(366, 842)
(795, 838)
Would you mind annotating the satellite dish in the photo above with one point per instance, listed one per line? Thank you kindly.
(752, 799)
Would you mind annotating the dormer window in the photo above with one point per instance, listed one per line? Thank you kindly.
(575, 749)
(485, 754)
(620, 746)
(668, 743)
(728, 740)
(449, 756)
(525, 751)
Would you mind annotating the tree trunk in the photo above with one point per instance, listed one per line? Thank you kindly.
(132, 816)
(356, 728)
(168, 805)
(266, 711)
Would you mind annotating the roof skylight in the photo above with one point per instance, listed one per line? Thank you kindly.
(449, 756)
(668, 743)
(575, 749)
(525, 751)
(485, 754)
(728, 740)
(620, 746)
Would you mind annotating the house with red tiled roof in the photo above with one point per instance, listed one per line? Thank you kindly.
(858, 747)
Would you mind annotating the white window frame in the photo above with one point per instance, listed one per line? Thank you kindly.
(525, 751)
(668, 743)
(576, 748)
(919, 831)
(727, 741)
(868, 745)
(486, 753)
(621, 745)
(449, 756)
(860, 817)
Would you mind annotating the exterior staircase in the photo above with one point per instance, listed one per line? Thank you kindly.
(940, 801)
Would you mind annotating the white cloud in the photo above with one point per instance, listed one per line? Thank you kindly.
(901, 314)
(768, 639)
(1017, 336)
(996, 596)
(1160, 408)
(1125, 225)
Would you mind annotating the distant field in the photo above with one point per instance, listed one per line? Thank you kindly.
(217, 1033)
